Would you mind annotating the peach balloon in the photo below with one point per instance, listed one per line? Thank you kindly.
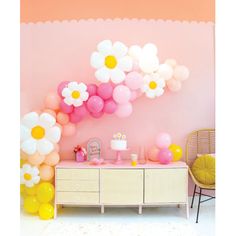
(68, 129)
(23, 155)
(46, 172)
(62, 118)
(56, 147)
(52, 159)
(52, 101)
(36, 159)
(174, 85)
(51, 112)
(153, 153)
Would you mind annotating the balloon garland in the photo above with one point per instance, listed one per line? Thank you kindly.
(124, 75)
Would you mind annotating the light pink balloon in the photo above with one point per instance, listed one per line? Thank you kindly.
(52, 101)
(165, 156)
(62, 118)
(124, 110)
(95, 104)
(134, 80)
(92, 89)
(105, 90)
(68, 129)
(61, 86)
(153, 153)
(65, 108)
(134, 96)
(181, 73)
(163, 140)
(121, 94)
(110, 106)
(97, 115)
(174, 85)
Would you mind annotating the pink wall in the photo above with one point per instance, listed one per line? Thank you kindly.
(53, 52)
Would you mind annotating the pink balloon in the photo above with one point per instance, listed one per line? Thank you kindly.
(68, 129)
(62, 118)
(105, 90)
(52, 101)
(121, 94)
(61, 86)
(65, 108)
(95, 104)
(75, 118)
(134, 80)
(133, 96)
(153, 153)
(174, 85)
(124, 110)
(92, 89)
(81, 111)
(165, 156)
(109, 106)
(163, 140)
(97, 115)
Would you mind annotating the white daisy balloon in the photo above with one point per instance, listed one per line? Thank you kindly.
(111, 61)
(75, 94)
(39, 133)
(29, 176)
(153, 85)
(145, 57)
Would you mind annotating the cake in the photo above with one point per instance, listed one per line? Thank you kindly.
(119, 142)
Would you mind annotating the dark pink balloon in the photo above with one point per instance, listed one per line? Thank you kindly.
(97, 115)
(75, 118)
(61, 86)
(165, 156)
(110, 106)
(81, 110)
(105, 90)
(95, 104)
(92, 89)
(65, 108)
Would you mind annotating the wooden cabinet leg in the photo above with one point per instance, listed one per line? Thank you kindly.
(102, 209)
(178, 205)
(140, 209)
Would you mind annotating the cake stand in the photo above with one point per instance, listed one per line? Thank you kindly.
(118, 160)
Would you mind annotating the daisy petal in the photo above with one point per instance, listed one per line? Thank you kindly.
(24, 133)
(125, 63)
(44, 147)
(103, 74)
(77, 102)
(82, 87)
(72, 85)
(35, 171)
(66, 92)
(26, 168)
(161, 83)
(29, 184)
(119, 49)
(54, 134)
(68, 100)
(36, 179)
(151, 94)
(97, 60)
(117, 76)
(47, 120)
(105, 47)
(159, 92)
(29, 146)
(30, 119)
(84, 96)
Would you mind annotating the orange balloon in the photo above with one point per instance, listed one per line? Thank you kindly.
(36, 159)
(46, 172)
(153, 153)
(51, 112)
(52, 159)
(62, 118)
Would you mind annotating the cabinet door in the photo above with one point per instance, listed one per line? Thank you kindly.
(121, 187)
(166, 185)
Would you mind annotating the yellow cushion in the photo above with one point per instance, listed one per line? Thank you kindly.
(203, 169)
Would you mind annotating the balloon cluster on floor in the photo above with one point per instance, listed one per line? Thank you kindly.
(165, 151)
(124, 74)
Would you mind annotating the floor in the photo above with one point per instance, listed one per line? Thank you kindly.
(164, 221)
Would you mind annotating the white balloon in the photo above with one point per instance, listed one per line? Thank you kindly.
(150, 48)
(149, 63)
(181, 73)
(165, 71)
(135, 52)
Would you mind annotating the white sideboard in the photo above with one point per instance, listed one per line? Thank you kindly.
(149, 184)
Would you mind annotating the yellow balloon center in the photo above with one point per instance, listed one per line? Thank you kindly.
(110, 62)
(27, 176)
(38, 132)
(152, 85)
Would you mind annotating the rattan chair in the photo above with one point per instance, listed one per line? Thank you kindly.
(200, 142)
